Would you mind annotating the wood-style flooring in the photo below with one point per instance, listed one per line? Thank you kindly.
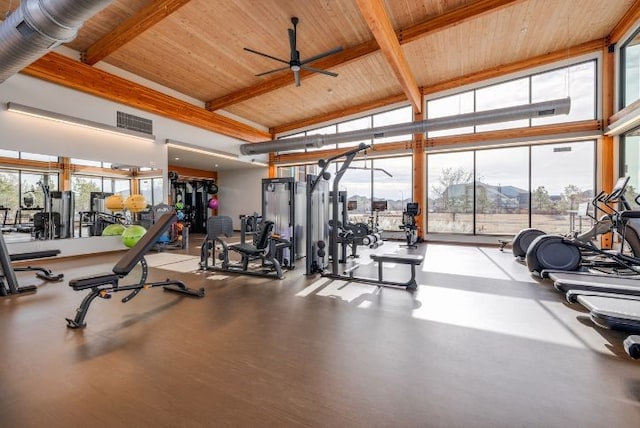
(480, 344)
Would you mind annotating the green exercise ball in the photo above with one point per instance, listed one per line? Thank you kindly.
(132, 235)
(113, 230)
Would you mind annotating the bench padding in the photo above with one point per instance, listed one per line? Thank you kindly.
(33, 255)
(137, 252)
(406, 259)
(93, 281)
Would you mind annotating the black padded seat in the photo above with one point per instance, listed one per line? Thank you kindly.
(132, 257)
(406, 259)
(94, 280)
(33, 255)
(246, 249)
(627, 215)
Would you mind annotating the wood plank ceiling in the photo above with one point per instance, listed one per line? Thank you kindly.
(195, 47)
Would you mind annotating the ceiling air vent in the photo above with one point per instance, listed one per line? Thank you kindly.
(135, 123)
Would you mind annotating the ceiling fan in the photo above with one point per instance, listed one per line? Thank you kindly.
(296, 64)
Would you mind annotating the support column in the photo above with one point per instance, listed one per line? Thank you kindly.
(608, 171)
(273, 172)
(419, 173)
(65, 177)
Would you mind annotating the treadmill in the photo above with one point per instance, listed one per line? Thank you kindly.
(610, 311)
(613, 312)
(632, 346)
(603, 283)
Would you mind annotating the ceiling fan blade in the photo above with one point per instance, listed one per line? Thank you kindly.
(296, 75)
(317, 70)
(322, 55)
(264, 54)
(272, 71)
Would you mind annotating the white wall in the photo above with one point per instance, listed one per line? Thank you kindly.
(240, 192)
(41, 136)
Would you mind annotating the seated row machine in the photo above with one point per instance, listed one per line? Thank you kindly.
(264, 249)
(103, 285)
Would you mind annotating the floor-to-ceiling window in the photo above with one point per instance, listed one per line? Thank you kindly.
(392, 182)
(630, 163)
(450, 192)
(630, 70)
(502, 190)
(562, 178)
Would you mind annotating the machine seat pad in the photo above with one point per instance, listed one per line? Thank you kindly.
(248, 249)
(93, 281)
(407, 259)
(33, 255)
(630, 214)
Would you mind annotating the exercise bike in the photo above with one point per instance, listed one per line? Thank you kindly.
(409, 224)
(559, 253)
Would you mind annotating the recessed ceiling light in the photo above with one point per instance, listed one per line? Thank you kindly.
(177, 158)
(215, 166)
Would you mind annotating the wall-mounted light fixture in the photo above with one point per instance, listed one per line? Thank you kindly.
(195, 149)
(84, 123)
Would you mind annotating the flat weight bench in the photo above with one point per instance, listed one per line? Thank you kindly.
(103, 285)
(403, 259)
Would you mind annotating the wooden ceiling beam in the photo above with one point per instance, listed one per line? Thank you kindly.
(377, 18)
(452, 18)
(65, 71)
(429, 26)
(141, 21)
(628, 20)
(501, 70)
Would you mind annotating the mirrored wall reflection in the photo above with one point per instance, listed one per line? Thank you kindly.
(500, 191)
(34, 206)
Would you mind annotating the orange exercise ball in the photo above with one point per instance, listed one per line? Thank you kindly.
(135, 203)
(114, 203)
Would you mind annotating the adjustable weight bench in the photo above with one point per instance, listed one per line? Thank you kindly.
(103, 285)
(8, 275)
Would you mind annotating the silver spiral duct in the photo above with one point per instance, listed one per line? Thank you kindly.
(542, 109)
(39, 26)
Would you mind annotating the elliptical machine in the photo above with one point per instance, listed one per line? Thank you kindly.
(523, 239)
(560, 253)
(409, 224)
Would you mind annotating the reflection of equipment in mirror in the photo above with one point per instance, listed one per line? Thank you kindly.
(106, 210)
(51, 221)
